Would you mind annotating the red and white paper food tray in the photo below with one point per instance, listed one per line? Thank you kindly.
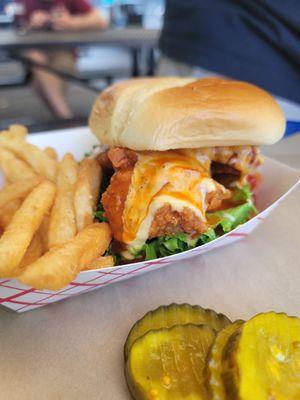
(278, 181)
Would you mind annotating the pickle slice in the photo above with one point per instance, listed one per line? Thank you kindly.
(168, 363)
(214, 365)
(262, 360)
(174, 314)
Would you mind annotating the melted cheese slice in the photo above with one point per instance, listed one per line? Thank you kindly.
(176, 178)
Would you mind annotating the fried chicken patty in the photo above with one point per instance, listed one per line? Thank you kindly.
(117, 158)
(113, 199)
(170, 222)
(226, 167)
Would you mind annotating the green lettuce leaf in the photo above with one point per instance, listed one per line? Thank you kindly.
(99, 214)
(232, 217)
(168, 245)
(242, 194)
(226, 221)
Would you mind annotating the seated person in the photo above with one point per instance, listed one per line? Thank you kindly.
(58, 15)
(255, 40)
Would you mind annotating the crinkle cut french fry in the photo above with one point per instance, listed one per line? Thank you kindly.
(33, 252)
(39, 161)
(18, 131)
(26, 221)
(14, 169)
(97, 248)
(60, 265)
(62, 226)
(8, 211)
(87, 192)
(102, 262)
(44, 232)
(17, 190)
(5, 181)
(51, 152)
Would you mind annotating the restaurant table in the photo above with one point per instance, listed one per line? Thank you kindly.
(125, 37)
(73, 350)
(131, 38)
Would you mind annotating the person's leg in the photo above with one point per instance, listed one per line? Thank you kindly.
(41, 58)
(50, 87)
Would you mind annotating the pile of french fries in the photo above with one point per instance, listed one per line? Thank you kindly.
(47, 228)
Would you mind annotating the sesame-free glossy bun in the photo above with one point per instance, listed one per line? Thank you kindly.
(175, 112)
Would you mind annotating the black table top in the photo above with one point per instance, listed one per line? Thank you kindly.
(127, 37)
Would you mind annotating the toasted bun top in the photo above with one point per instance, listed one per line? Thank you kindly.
(172, 113)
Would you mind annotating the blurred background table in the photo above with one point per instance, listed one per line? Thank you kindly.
(102, 57)
(74, 349)
(127, 37)
(132, 39)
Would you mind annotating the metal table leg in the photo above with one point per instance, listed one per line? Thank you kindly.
(135, 71)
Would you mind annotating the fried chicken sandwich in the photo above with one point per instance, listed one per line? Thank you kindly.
(182, 159)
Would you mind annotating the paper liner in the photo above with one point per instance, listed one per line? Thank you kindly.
(278, 180)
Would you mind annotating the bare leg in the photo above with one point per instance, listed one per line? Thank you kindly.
(52, 89)
(49, 86)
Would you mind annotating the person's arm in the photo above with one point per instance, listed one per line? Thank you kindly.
(39, 19)
(90, 20)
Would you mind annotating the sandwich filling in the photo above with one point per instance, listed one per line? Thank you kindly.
(163, 194)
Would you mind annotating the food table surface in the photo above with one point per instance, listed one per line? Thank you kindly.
(126, 37)
(74, 349)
